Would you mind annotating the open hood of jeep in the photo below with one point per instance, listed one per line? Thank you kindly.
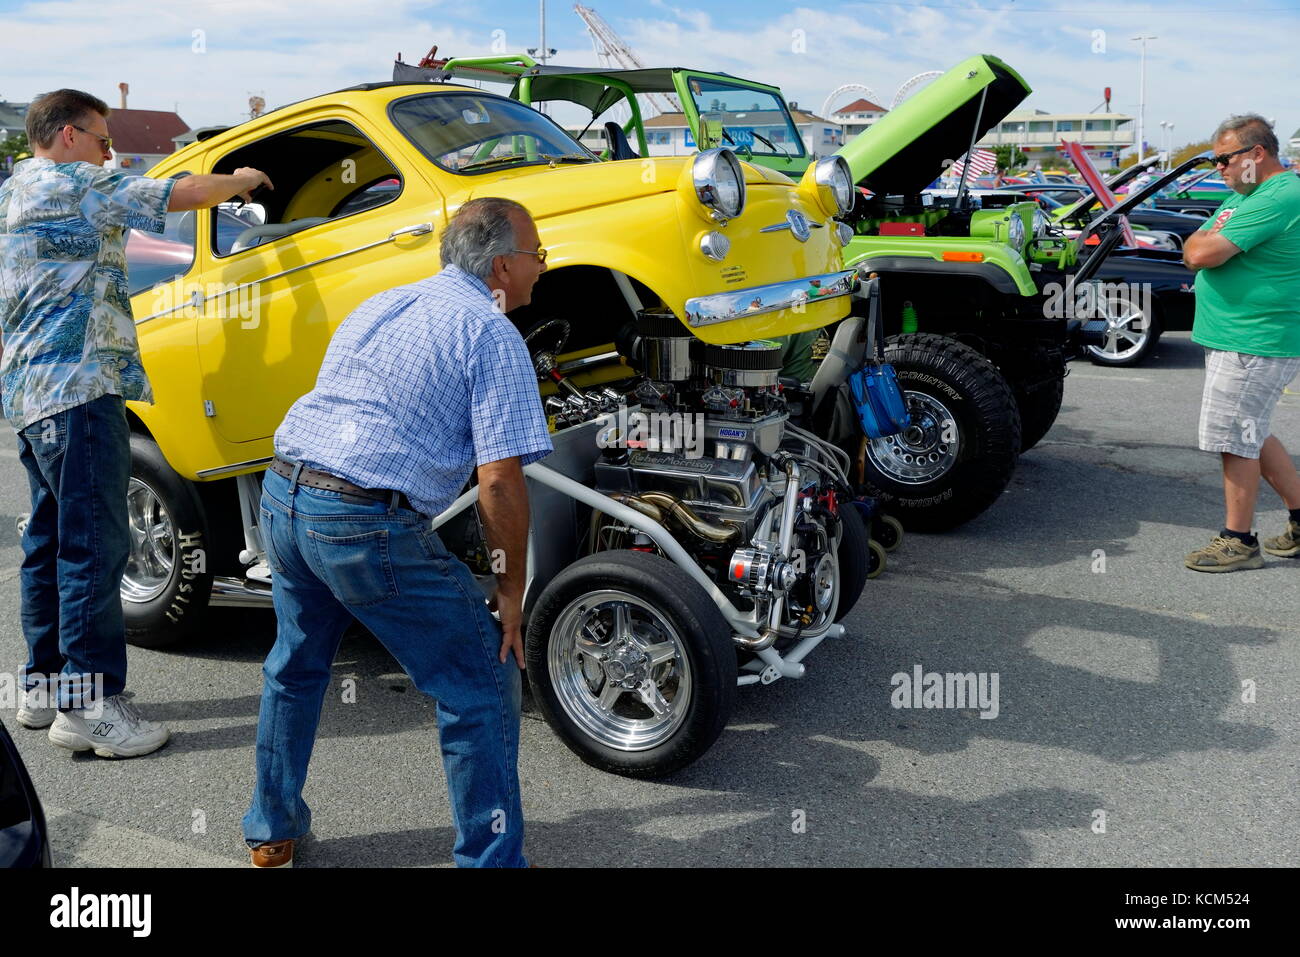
(904, 151)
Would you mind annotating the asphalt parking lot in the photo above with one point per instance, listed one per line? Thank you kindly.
(1121, 680)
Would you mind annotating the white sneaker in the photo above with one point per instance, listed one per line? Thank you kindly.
(119, 731)
(31, 714)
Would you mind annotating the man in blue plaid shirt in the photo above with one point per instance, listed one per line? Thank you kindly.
(420, 385)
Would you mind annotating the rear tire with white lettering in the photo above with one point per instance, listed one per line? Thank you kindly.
(168, 578)
(957, 456)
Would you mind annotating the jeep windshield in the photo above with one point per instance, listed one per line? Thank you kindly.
(472, 133)
(754, 121)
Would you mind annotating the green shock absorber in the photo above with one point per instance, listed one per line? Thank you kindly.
(910, 323)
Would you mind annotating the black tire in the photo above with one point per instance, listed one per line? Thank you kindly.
(172, 614)
(1039, 408)
(705, 637)
(944, 374)
(854, 555)
(1134, 353)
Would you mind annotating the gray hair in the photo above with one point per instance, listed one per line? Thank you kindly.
(480, 231)
(1252, 130)
(51, 112)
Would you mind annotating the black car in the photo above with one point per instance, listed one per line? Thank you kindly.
(24, 840)
(1155, 286)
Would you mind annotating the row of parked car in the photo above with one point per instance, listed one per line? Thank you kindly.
(660, 582)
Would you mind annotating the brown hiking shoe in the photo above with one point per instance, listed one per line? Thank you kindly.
(1225, 555)
(273, 854)
(1287, 545)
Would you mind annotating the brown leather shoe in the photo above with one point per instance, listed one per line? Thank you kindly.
(273, 854)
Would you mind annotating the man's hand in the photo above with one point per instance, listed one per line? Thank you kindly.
(254, 176)
(511, 611)
(503, 506)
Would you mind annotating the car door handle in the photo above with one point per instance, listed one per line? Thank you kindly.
(419, 229)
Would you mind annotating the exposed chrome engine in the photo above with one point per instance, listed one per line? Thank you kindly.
(703, 446)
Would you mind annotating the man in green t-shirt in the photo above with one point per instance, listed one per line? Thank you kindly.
(1247, 260)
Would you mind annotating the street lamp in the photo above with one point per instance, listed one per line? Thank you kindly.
(1142, 94)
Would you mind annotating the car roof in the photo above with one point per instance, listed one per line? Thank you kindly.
(222, 133)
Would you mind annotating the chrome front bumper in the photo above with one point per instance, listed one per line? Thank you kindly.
(756, 300)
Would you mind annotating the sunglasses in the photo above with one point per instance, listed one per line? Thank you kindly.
(1222, 158)
(539, 253)
(106, 140)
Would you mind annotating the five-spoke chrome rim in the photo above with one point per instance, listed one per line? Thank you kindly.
(620, 670)
(925, 450)
(1127, 329)
(153, 544)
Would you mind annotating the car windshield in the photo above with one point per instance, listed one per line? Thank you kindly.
(753, 121)
(472, 133)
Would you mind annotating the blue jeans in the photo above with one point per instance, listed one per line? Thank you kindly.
(334, 557)
(75, 549)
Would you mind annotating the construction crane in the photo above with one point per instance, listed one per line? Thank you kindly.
(613, 52)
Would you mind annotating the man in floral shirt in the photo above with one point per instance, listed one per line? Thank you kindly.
(69, 363)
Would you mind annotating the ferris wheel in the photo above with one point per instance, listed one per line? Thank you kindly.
(915, 81)
(835, 93)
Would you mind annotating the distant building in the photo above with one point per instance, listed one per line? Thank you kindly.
(1038, 134)
(142, 138)
(1293, 146)
(857, 117)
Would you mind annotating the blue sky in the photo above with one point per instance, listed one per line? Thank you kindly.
(1211, 58)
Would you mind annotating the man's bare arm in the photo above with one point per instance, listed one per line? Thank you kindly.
(201, 192)
(1205, 249)
(503, 506)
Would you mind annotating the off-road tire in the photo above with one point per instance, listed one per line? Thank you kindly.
(1039, 408)
(174, 613)
(987, 420)
(706, 637)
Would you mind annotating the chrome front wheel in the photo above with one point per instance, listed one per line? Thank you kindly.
(631, 663)
(620, 669)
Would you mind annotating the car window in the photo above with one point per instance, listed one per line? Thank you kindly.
(753, 120)
(152, 259)
(467, 133)
(321, 173)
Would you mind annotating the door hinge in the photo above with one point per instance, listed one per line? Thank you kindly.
(209, 409)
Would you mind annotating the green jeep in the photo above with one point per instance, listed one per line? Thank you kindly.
(979, 354)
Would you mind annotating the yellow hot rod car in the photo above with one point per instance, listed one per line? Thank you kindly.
(665, 278)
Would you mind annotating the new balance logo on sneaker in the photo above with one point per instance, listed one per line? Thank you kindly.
(123, 732)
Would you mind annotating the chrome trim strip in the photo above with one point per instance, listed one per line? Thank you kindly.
(237, 467)
(740, 303)
(231, 592)
(419, 229)
(574, 364)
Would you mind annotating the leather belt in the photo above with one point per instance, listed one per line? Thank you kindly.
(315, 478)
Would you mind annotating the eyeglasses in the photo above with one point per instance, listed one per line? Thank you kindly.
(1222, 158)
(106, 140)
(539, 253)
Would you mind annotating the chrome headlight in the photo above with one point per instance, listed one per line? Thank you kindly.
(1016, 231)
(719, 182)
(832, 174)
(1041, 223)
